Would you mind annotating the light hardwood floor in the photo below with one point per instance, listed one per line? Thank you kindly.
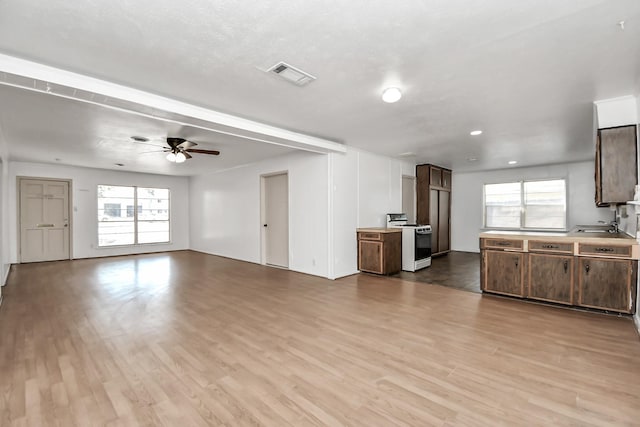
(184, 339)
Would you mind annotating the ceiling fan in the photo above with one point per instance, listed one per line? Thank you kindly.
(179, 148)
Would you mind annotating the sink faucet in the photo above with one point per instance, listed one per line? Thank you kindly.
(614, 227)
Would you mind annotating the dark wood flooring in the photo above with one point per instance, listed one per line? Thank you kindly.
(459, 270)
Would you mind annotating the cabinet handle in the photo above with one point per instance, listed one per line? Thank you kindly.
(516, 262)
(550, 246)
(604, 249)
(586, 267)
(503, 243)
(566, 266)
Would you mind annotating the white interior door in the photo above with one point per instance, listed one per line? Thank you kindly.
(276, 220)
(44, 220)
(408, 198)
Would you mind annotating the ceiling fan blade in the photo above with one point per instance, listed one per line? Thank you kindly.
(187, 155)
(186, 144)
(146, 143)
(180, 143)
(196, 150)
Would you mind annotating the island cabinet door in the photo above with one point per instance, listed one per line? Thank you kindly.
(550, 278)
(606, 283)
(504, 273)
(370, 256)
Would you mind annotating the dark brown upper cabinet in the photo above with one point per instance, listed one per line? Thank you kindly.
(616, 165)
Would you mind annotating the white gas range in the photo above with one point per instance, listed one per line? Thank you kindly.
(416, 242)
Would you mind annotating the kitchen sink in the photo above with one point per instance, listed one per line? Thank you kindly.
(594, 229)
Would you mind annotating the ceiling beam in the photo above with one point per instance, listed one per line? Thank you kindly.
(34, 76)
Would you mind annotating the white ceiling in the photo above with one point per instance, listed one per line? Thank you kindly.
(43, 128)
(524, 72)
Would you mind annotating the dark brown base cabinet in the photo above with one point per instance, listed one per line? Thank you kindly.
(548, 271)
(550, 278)
(379, 252)
(503, 272)
(608, 284)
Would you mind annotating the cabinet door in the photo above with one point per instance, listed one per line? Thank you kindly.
(422, 194)
(436, 177)
(618, 164)
(446, 179)
(433, 219)
(503, 273)
(551, 278)
(605, 283)
(443, 221)
(370, 256)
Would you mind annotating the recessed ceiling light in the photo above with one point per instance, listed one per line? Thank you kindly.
(513, 162)
(391, 95)
(472, 159)
(407, 154)
(475, 132)
(137, 138)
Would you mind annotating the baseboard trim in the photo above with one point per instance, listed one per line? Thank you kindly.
(6, 276)
(636, 321)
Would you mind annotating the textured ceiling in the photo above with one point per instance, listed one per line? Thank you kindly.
(524, 72)
(48, 129)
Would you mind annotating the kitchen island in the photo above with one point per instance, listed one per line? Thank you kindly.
(593, 269)
(379, 250)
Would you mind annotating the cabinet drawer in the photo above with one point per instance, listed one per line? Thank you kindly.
(362, 235)
(503, 244)
(550, 247)
(618, 251)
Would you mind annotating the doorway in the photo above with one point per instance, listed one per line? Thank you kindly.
(44, 219)
(275, 220)
(409, 198)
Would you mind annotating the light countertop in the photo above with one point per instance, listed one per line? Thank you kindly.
(380, 230)
(573, 236)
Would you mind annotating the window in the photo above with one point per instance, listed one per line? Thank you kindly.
(526, 204)
(144, 220)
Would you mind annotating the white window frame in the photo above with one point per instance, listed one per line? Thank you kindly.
(522, 205)
(135, 217)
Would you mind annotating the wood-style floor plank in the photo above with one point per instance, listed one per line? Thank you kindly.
(185, 338)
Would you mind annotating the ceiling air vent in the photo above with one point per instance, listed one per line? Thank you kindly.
(291, 74)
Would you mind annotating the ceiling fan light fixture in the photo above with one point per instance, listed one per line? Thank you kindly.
(171, 157)
(180, 157)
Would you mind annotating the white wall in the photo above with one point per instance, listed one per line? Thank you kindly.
(85, 206)
(365, 187)
(466, 202)
(5, 264)
(225, 211)
(225, 207)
